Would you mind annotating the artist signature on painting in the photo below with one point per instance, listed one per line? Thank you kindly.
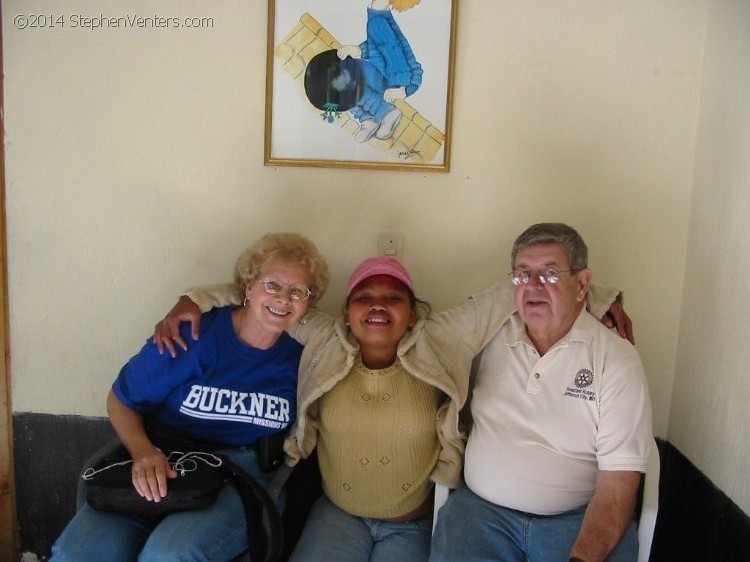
(408, 154)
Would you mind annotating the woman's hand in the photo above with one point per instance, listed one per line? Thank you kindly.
(150, 473)
(150, 467)
(167, 332)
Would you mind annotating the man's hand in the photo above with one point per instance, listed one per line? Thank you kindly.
(167, 332)
(616, 318)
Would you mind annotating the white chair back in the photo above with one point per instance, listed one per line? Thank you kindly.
(650, 507)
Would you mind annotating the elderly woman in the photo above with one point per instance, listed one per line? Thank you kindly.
(243, 356)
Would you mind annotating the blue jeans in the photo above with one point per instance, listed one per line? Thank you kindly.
(333, 535)
(217, 533)
(470, 529)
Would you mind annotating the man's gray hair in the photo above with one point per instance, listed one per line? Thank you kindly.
(551, 233)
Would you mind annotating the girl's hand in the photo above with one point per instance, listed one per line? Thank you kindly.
(167, 332)
(616, 318)
(150, 473)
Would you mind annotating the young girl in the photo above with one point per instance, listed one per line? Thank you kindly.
(379, 394)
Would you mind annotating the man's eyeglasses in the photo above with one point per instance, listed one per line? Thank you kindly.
(549, 275)
(296, 292)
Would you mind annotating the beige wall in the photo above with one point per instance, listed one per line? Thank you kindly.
(134, 169)
(710, 419)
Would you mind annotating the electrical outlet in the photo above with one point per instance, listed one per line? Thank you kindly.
(390, 244)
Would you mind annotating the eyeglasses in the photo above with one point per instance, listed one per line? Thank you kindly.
(296, 292)
(549, 275)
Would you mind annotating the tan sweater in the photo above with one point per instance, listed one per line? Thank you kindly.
(378, 443)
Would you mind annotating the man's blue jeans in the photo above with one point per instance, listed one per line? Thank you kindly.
(333, 535)
(216, 533)
(470, 529)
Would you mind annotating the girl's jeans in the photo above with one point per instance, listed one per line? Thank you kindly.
(333, 535)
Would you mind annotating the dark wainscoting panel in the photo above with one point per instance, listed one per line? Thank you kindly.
(49, 453)
(696, 521)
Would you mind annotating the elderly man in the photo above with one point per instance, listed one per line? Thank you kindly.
(562, 424)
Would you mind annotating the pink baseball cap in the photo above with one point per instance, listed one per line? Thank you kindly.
(379, 265)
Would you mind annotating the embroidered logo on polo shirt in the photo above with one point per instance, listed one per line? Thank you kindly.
(582, 380)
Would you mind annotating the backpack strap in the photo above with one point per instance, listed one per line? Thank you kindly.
(265, 533)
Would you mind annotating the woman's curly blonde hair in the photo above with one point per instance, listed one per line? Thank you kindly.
(287, 247)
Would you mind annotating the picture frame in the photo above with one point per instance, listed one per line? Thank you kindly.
(352, 85)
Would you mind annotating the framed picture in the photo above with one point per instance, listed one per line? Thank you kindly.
(360, 83)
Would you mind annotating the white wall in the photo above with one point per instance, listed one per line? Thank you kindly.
(134, 169)
(710, 420)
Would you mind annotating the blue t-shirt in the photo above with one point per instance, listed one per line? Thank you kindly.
(219, 389)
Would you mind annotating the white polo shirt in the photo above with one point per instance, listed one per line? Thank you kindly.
(544, 426)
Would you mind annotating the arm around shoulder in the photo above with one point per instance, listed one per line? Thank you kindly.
(476, 320)
(605, 303)
(188, 309)
(315, 321)
(215, 296)
(600, 298)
